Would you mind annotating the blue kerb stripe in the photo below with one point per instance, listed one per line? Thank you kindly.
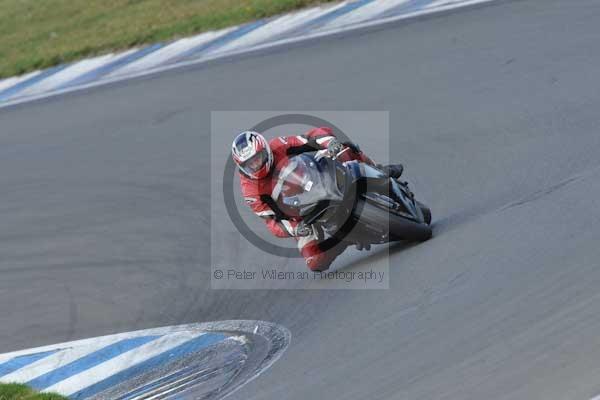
(11, 91)
(17, 363)
(110, 67)
(409, 7)
(222, 40)
(182, 350)
(178, 375)
(330, 16)
(91, 360)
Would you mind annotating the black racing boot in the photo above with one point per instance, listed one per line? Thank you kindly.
(393, 170)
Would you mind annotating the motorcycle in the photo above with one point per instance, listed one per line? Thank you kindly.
(353, 201)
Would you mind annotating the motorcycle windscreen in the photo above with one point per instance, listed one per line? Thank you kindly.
(303, 183)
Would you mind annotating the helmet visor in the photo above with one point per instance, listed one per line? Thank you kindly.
(252, 165)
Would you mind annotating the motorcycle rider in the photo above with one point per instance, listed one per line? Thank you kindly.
(257, 158)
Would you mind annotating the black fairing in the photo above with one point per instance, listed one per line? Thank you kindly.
(332, 196)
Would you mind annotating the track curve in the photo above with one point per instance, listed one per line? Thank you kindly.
(494, 111)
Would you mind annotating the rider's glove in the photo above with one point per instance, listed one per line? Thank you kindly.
(353, 146)
(302, 229)
(334, 147)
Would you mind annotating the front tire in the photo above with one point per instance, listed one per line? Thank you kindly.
(426, 212)
(400, 228)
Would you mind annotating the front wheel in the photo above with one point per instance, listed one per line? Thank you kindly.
(399, 228)
(426, 212)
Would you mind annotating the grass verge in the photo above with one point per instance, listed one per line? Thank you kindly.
(37, 34)
(14, 391)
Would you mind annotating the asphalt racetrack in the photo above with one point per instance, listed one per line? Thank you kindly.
(105, 209)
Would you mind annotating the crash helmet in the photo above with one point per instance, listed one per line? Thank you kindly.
(252, 154)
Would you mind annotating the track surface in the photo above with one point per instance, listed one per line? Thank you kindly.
(494, 110)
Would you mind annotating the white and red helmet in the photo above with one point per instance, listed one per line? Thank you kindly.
(252, 154)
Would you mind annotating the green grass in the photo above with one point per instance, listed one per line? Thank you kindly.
(37, 34)
(13, 391)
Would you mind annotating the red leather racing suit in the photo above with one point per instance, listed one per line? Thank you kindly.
(257, 192)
